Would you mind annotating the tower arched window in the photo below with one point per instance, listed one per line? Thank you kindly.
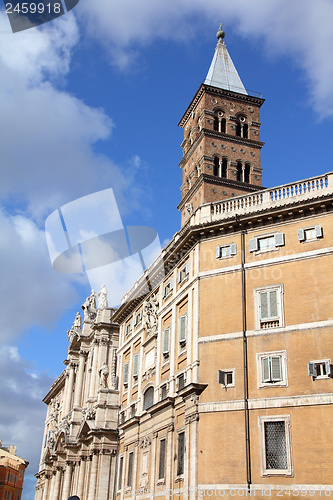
(148, 398)
(224, 168)
(219, 122)
(239, 171)
(242, 128)
(247, 172)
(216, 166)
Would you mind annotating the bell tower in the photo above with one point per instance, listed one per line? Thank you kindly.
(221, 146)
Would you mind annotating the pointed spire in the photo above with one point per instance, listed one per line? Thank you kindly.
(222, 72)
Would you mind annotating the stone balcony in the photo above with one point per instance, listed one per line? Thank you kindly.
(277, 197)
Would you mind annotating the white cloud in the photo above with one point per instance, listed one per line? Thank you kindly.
(23, 414)
(300, 30)
(33, 294)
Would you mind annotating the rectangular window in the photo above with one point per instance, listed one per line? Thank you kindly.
(130, 469)
(166, 342)
(161, 468)
(272, 369)
(126, 370)
(226, 251)
(182, 329)
(128, 328)
(269, 307)
(136, 365)
(276, 456)
(226, 377)
(181, 381)
(167, 289)
(138, 318)
(181, 453)
(120, 476)
(320, 369)
(266, 243)
(310, 234)
(164, 392)
(183, 273)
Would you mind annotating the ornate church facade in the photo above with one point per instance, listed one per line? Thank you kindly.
(218, 380)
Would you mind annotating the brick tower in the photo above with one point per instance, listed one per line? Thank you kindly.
(221, 146)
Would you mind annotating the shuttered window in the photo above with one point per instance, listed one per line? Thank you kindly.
(148, 398)
(271, 367)
(126, 369)
(181, 453)
(166, 341)
(130, 469)
(182, 328)
(161, 468)
(136, 365)
(268, 304)
(120, 477)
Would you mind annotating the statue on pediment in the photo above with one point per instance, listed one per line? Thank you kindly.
(89, 307)
(103, 298)
(103, 375)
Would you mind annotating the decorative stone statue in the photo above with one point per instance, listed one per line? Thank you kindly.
(89, 307)
(103, 375)
(77, 321)
(150, 315)
(102, 298)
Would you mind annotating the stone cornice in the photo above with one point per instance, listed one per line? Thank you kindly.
(220, 181)
(219, 135)
(235, 96)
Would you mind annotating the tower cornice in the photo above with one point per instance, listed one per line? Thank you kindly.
(235, 96)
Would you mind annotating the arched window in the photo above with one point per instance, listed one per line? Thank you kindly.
(242, 128)
(148, 398)
(219, 122)
(216, 166)
(239, 171)
(247, 172)
(224, 168)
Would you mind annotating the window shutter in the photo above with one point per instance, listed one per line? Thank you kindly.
(126, 367)
(301, 235)
(218, 252)
(130, 469)
(148, 398)
(182, 328)
(273, 304)
(171, 284)
(263, 305)
(120, 478)
(136, 365)
(265, 369)
(233, 249)
(328, 368)
(311, 369)
(178, 277)
(166, 341)
(187, 268)
(319, 231)
(276, 368)
(221, 377)
(181, 453)
(253, 245)
(164, 292)
(161, 471)
(279, 239)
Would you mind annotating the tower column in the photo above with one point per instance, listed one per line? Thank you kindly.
(69, 388)
(57, 484)
(82, 470)
(93, 476)
(94, 369)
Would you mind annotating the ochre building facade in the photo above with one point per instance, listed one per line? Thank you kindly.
(218, 382)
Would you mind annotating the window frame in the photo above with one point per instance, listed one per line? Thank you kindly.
(222, 376)
(320, 362)
(259, 322)
(182, 341)
(126, 374)
(219, 250)
(301, 233)
(283, 367)
(161, 478)
(166, 353)
(275, 472)
(152, 390)
(181, 470)
(167, 289)
(183, 273)
(136, 365)
(279, 241)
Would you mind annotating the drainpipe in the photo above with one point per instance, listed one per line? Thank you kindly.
(245, 363)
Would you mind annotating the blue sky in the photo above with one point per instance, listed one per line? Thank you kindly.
(92, 101)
